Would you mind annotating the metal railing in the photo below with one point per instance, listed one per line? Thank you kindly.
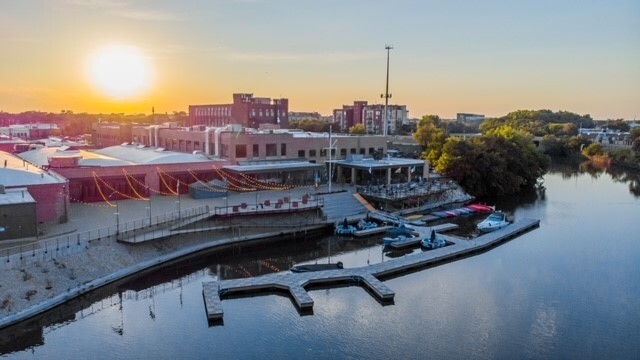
(74, 242)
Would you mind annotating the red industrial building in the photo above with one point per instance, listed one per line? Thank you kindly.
(246, 110)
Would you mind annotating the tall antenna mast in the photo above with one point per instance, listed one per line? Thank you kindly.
(386, 94)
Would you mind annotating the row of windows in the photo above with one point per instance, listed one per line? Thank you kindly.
(213, 111)
(267, 112)
(343, 152)
(270, 150)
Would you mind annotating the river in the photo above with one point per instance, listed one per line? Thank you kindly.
(569, 289)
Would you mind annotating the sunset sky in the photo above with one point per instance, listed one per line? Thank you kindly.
(488, 57)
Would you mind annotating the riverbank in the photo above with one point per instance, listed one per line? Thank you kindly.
(43, 285)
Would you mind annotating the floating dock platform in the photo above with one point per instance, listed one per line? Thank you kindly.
(367, 276)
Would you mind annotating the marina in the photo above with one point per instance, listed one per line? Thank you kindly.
(369, 277)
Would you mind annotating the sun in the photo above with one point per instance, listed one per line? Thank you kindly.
(122, 72)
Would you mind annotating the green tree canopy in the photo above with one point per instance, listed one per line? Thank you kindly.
(503, 162)
(431, 136)
(536, 121)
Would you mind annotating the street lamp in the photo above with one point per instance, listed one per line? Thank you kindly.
(257, 199)
(117, 213)
(149, 207)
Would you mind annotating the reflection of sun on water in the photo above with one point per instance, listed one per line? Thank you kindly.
(121, 72)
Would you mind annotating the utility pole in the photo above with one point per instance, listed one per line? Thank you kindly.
(386, 95)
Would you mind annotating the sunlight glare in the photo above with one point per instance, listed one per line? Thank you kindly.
(122, 72)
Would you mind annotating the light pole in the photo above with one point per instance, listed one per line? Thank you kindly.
(386, 94)
(178, 202)
(257, 200)
(149, 207)
(117, 213)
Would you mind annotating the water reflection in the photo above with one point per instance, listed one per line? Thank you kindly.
(559, 291)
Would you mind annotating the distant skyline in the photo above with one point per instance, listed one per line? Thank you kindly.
(487, 57)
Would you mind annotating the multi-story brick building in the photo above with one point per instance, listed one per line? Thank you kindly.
(246, 110)
(371, 116)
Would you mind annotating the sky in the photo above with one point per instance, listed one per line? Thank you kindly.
(486, 57)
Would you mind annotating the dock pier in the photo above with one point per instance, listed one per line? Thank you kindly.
(367, 276)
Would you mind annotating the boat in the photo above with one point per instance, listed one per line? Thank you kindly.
(316, 267)
(433, 242)
(388, 240)
(345, 229)
(366, 225)
(401, 229)
(467, 210)
(497, 220)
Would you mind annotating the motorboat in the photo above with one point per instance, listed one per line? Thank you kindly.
(388, 240)
(433, 242)
(345, 229)
(366, 225)
(497, 220)
(401, 229)
(316, 267)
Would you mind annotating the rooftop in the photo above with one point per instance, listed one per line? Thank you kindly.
(14, 171)
(137, 154)
(16, 196)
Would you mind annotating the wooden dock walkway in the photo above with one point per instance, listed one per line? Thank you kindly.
(368, 276)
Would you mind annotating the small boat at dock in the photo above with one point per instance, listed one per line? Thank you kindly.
(497, 220)
(433, 242)
(366, 225)
(345, 229)
(466, 210)
(388, 240)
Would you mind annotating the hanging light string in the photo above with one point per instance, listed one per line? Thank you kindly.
(161, 172)
(207, 187)
(128, 177)
(267, 185)
(230, 180)
(108, 186)
(95, 178)
(74, 200)
(150, 188)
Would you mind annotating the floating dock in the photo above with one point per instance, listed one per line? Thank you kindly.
(367, 276)
(370, 232)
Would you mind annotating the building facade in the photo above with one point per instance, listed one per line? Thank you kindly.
(371, 116)
(246, 110)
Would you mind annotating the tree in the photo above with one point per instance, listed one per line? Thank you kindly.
(593, 149)
(502, 162)
(431, 137)
(357, 129)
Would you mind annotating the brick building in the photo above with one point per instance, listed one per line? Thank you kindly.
(371, 116)
(246, 110)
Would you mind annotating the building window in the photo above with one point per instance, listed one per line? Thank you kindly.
(371, 151)
(272, 150)
(352, 150)
(241, 151)
(225, 150)
(343, 152)
(256, 151)
(312, 153)
(196, 145)
(253, 112)
(362, 151)
(301, 154)
(283, 149)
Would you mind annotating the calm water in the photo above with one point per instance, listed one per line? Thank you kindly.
(570, 289)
